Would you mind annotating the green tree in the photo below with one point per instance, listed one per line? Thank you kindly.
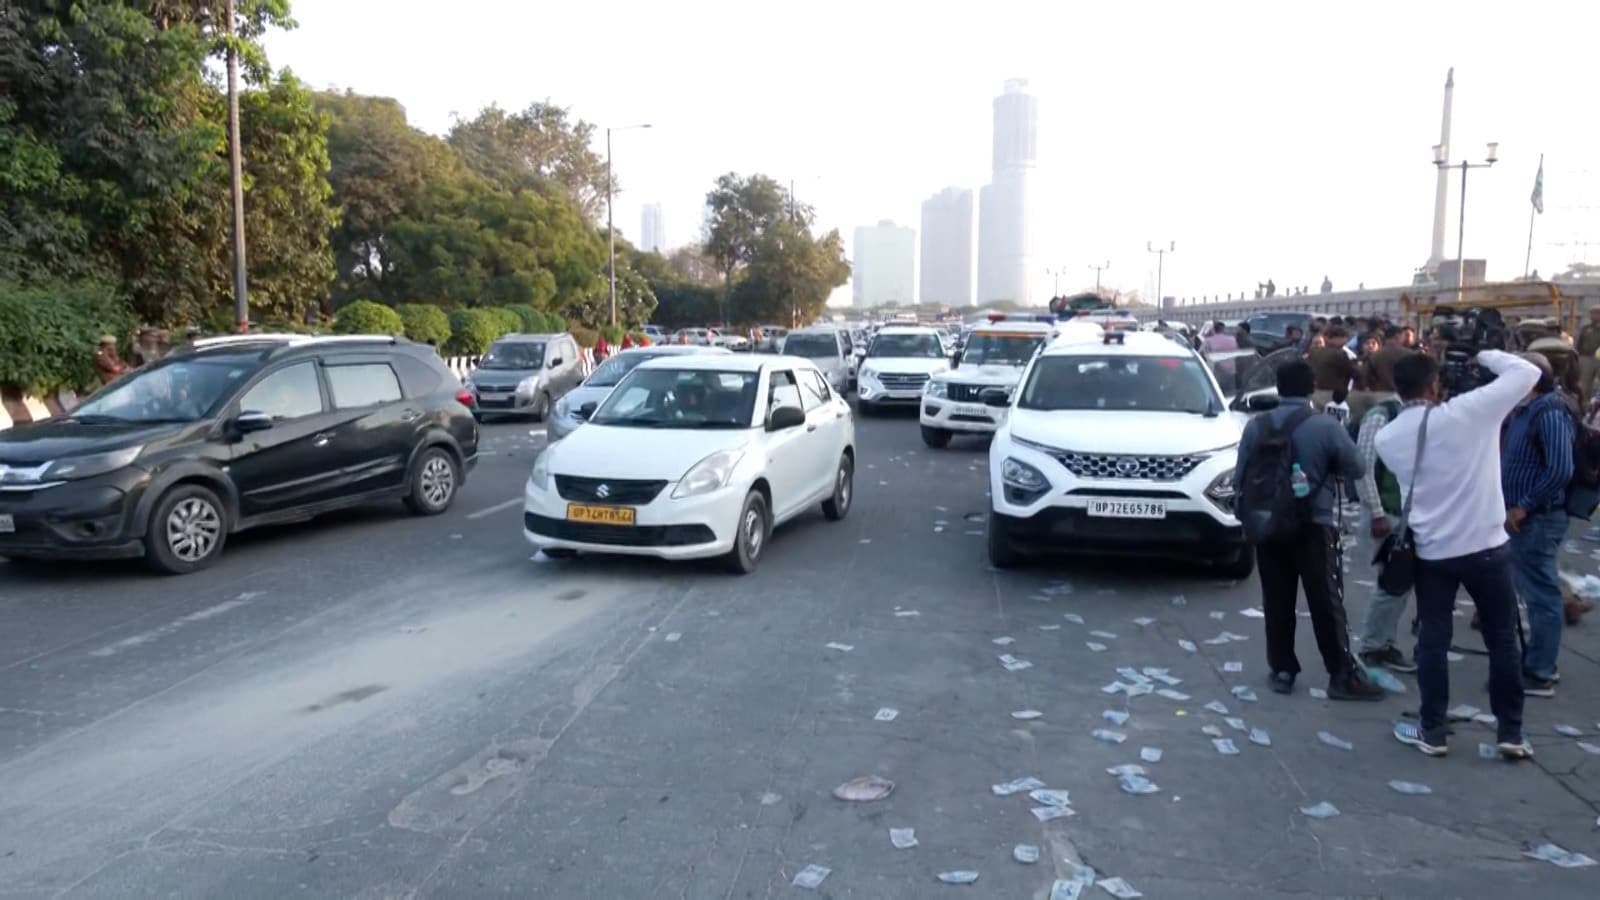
(505, 320)
(471, 332)
(790, 276)
(538, 145)
(527, 317)
(366, 317)
(425, 323)
(743, 210)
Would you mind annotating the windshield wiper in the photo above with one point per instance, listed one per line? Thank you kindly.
(96, 419)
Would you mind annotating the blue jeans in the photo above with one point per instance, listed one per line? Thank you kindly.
(1487, 578)
(1534, 548)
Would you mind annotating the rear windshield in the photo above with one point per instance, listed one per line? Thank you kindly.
(1149, 383)
(917, 346)
(1000, 349)
(812, 346)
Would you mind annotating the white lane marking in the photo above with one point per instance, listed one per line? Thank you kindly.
(495, 508)
(146, 637)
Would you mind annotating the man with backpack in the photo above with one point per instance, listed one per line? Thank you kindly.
(1291, 461)
(1536, 466)
(1446, 457)
(1379, 491)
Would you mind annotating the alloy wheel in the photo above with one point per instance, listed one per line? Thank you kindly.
(438, 480)
(193, 529)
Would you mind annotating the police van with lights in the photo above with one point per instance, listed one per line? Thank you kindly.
(1120, 443)
(993, 357)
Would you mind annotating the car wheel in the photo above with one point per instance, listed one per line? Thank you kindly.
(937, 438)
(186, 530)
(1002, 555)
(1240, 565)
(541, 408)
(559, 552)
(434, 480)
(844, 491)
(753, 530)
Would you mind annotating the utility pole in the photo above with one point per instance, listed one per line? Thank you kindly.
(1161, 258)
(611, 234)
(241, 302)
(1097, 271)
(1442, 163)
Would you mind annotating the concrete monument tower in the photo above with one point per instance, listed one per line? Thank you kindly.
(1441, 192)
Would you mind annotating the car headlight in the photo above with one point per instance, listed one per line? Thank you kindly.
(708, 474)
(94, 464)
(867, 372)
(539, 478)
(1220, 491)
(1019, 474)
(937, 389)
(527, 385)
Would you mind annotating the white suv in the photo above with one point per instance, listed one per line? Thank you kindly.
(898, 364)
(1119, 443)
(994, 357)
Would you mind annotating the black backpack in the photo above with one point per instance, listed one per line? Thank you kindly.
(1266, 505)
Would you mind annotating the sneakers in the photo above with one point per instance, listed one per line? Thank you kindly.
(1534, 686)
(1429, 745)
(1281, 682)
(1389, 657)
(1515, 750)
(1353, 686)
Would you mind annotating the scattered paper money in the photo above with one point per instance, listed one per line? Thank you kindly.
(1233, 666)
(1136, 784)
(1120, 889)
(811, 877)
(1225, 746)
(1188, 646)
(1016, 786)
(1110, 737)
(1025, 853)
(1171, 694)
(1217, 707)
(1050, 797)
(1026, 715)
(1047, 813)
(1335, 741)
(1260, 738)
(1551, 853)
(1104, 635)
(903, 838)
(1098, 648)
(1322, 810)
(1150, 754)
(1003, 641)
(960, 876)
(1144, 621)
(1115, 716)
(1410, 787)
(843, 648)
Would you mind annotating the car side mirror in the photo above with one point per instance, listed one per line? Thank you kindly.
(995, 397)
(555, 362)
(1262, 402)
(785, 417)
(587, 410)
(251, 420)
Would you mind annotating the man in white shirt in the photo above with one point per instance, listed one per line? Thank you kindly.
(1458, 518)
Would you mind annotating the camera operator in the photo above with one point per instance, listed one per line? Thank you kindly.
(1536, 468)
(1458, 520)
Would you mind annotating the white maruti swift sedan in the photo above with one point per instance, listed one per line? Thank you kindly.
(695, 456)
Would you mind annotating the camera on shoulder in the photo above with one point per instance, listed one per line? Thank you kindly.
(1465, 335)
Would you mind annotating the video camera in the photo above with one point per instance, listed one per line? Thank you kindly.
(1466, 335)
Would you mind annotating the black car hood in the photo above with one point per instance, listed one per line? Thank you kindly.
(55, 438)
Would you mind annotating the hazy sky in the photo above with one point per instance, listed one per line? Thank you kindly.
(1266, 139)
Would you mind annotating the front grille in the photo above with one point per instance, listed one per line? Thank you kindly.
(1136, 468)
(488, 403)
(902, 381)
(619, 535)
(966, 393)
(622, 491)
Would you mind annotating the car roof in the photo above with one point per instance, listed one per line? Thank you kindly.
(677, 350)
(909, 329)
(814, 329)
(1016, 327)
(1132, 343)
(720, 362)
(526, 338)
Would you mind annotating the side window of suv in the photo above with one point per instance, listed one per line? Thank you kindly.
(289, 393)
(815, 388)
(783, 392)
(362, 384)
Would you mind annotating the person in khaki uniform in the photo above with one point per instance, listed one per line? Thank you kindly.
(1588, 345)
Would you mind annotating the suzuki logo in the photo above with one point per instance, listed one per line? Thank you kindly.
(1127, 465)
(603, 491)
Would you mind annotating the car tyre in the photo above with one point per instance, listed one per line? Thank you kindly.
(1240, 565)
(936, 438)
(837, 506)
(1002, 555)
(541, 407)
(558, 552)
(435, 480)
(752, 532)
(187, 530)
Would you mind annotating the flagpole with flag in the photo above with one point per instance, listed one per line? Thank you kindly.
(1537, 200)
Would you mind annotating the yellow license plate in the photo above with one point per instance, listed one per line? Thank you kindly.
(600, 515)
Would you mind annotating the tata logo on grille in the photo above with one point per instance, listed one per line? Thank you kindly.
(1127, 465)
(603, 491)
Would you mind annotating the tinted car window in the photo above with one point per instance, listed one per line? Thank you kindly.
(1153, 383)
(815, 389)
(363, 384)
(417, 377)
(175, 389)
(289, 393)
(513, 355)
(812, 346)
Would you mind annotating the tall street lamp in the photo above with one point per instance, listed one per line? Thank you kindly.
(1161, 258)
(1056, 275)
(1097, 271)
(241, 303)
(611, 234)
(1441, 160)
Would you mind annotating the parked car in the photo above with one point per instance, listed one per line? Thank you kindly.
(1268, 330)
(696, 456)
(655, 333)
(525, 374)
(771, 338)
(827, 350)
(231, 433)
(702, 336)
(569, 414)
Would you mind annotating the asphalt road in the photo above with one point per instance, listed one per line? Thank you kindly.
(374, 705)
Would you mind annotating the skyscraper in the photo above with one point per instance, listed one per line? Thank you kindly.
(1004, 251)
(947, 248)
(652, 233)
(884, 268)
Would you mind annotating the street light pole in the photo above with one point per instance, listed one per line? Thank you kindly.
(1097, 271)
(611, 234)
(1161, 259)
(1439, 160)
(241, 302)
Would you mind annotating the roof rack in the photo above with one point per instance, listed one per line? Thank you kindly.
(294, 340)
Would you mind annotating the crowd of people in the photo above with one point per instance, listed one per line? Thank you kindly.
(1366, 427)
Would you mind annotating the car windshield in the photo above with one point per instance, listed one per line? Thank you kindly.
(612, 370)
(1000, 349)
(1237, 371)
(1145, 383)
(680, 398)
(174, 390)
(812, 346)
(919, 346)
(513, 355)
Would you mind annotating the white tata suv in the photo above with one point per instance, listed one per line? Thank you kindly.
(994, 357)
(1117, 444)
(899, 362)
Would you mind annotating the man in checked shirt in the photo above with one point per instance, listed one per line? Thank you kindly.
(1380, 497)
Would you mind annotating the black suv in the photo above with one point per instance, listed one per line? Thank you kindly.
(231, 433)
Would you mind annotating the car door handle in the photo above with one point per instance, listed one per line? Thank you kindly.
(321, 440)
(410, 415)
(811, 428)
